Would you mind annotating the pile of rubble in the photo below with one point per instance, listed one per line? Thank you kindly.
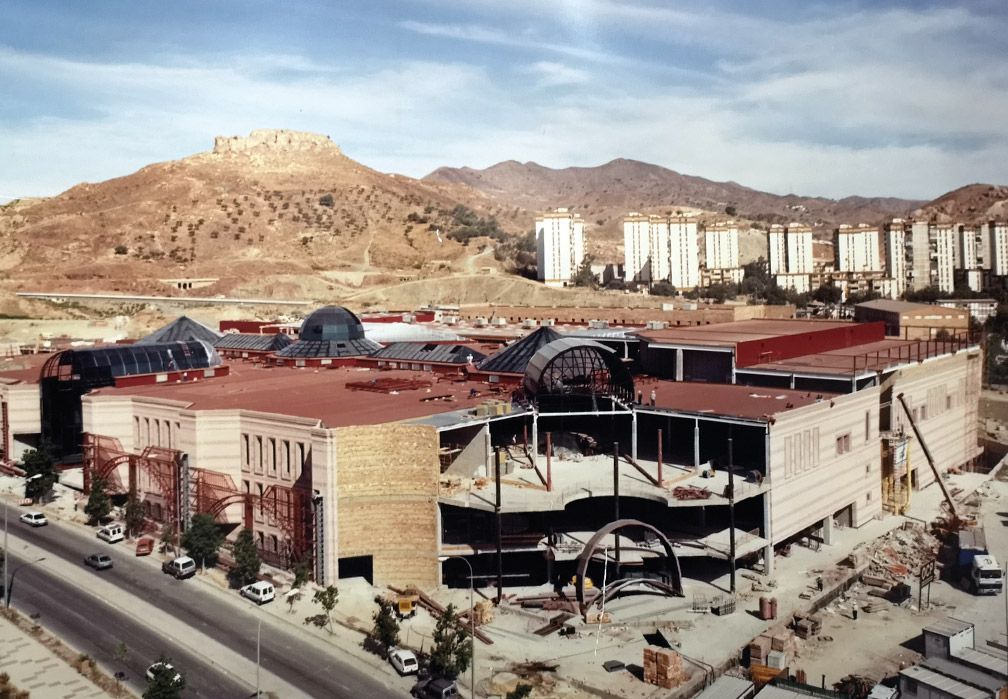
(898, 555)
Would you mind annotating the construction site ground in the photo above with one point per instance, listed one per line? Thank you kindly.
(572, 665)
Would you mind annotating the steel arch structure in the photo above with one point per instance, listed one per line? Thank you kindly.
(591, 547)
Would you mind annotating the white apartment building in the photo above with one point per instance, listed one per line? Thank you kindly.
(658, 243)
(802, 283)
(778, 249)
(684, 252)
(896, 263)
(722, 246)
(858, 249)
(560, 247)
(998, 232)
(799, 249)
(636, 247)
(921, 237)
(945, 244)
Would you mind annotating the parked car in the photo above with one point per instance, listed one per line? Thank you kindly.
(144, 546)
(158, 668)
(259, 592)
(36, 519)
(435, 688)
(112, 533)
(181, 567)
(99, 561)
(404, 661)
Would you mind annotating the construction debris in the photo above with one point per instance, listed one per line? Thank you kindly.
(689, 492)
(898, 555)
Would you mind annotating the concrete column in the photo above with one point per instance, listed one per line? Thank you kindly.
(488, 455)
(768, 550)
(534, 450)
(696, 444)
(678, 365)
(633, 436)
(792, 381)
(827, 531)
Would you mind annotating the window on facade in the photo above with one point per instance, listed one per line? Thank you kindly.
(259, 455)
(286, 459)
(271, 454)
(867, 425)
(923, 412)
(843, 443)
(136, 430)
(147, 439)
(868, 496)
(245, 455)
(867, 471)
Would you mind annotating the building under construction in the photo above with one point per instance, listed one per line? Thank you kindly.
(554, 456)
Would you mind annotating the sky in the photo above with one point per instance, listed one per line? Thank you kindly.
(871, 98)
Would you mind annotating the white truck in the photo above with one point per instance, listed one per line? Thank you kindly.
(978, 570)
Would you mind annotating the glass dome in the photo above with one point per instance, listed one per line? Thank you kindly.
(331, 323)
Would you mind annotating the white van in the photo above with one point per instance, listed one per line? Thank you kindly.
(112, 533)
(259, 592)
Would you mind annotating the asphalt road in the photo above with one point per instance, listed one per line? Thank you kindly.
(97, 628)
(314, 670)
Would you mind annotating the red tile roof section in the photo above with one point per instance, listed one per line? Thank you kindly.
(727, 400)
(320, 394)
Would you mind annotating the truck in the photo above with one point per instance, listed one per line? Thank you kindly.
(976, 568)
(435, 688)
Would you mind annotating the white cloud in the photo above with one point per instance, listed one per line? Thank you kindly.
(551, 74)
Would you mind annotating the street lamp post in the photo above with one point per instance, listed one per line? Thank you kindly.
(472, 622)
(6, 549)
(10, 587)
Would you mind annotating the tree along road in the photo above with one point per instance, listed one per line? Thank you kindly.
(224, 617)
(97, 628)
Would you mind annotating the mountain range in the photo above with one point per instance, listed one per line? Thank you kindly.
(283, 213)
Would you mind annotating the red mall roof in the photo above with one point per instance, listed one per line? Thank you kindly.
(726, 400)
(320, 394)
(740, 331)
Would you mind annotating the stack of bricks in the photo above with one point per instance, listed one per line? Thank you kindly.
(760, 648)
(663, 667)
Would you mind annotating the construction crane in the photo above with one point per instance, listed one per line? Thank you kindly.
(953, 510)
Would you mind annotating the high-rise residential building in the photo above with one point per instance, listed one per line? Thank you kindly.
(560, 246)
(945, 237)
(919, 261)
(636, 247)
(777, 238)
(658, 244)
(684, 252)
(799, 249)
(722, 245)
(998, 232)
(857, 249)
(896, 263)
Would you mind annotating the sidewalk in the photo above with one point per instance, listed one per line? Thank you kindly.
(34, 668)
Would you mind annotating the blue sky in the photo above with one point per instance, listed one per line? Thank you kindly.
(828, 99)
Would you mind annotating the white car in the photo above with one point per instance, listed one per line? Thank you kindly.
(259, 592)
(404, 661)
(35, 519)
(157, 668)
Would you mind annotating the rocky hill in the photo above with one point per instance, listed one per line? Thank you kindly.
(604, 194)
(974, 203)
(273, 204)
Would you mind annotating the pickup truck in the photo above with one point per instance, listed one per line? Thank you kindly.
(435, 688)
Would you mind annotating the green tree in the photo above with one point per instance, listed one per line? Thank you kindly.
(134, 515)
(386, 626)
(247, 562)
(203, 538)
(730, 210)
(585, 277)
(326, 598)
(663, 288)
(167, 683)
(827, 293)
(326, 200)
(302, 573)
(39, 462)
(121, 249)
(452, 651)
(169, 537)
(99, 504)
(519, 692)
(943, 335)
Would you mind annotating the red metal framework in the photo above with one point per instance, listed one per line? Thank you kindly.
(211, 492)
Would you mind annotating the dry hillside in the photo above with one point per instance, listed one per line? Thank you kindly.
(274, 204)
(974, 203)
